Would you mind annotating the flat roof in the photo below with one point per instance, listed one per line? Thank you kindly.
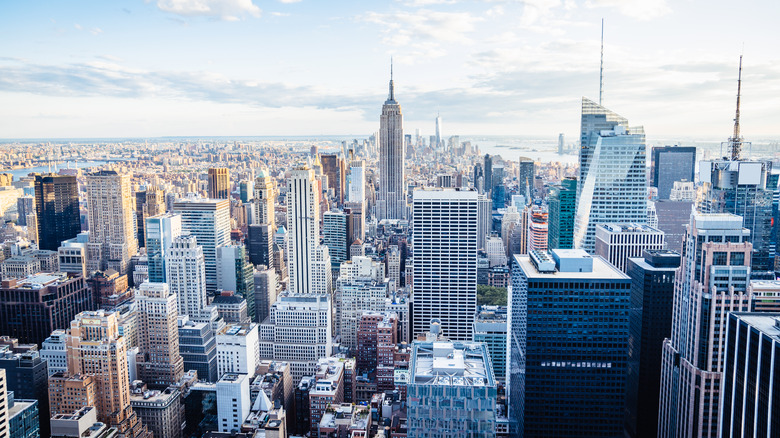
(766, 323)
(444, 194)
(602, 269)
(451, 364)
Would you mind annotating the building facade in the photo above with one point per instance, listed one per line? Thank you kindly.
(391, 198)
(112, 223)
(57, 208)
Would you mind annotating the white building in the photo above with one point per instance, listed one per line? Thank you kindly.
(233, 401)
(265, 197)
(357, 181)
(321, 275)
(353, 297)
(496, 253)
(298, 331)
(54, 351)
(303, 230)
(186, 273)
(394, 266)
(617, 242)
(73, 254)
(444, 239)
(237, 349)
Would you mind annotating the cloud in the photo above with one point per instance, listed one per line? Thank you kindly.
(289, 1)
(418, 3)
(639, 9)
(229, 10)
(96, 31)
(77, 26)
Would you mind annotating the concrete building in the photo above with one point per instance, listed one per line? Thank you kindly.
(110, 289)
(712, 281)
(32, 308)
(612, 160)
(459, 373)
(345, 419)
(265, 199)
(113, 238)
(266, 291)
(208, 220)
(54, 352)
(73, 255)
(237, 349)
(185, 267)
(328, 388)
(496, 254)
(57, 209)
(219, 183)
(148, 203)
(82, 423)
(231, 308)
(617, 242)
(391, 198)
(303, 235)
(353, 297)
(298, 331)
(160, 410)
(444, 238)
(555, 297)
(233, 402)
(160, 232)
(159, 363)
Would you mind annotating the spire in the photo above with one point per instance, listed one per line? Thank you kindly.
(601, 68)
(392, 94)
(735, 142)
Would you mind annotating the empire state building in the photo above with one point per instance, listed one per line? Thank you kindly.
(391, 199)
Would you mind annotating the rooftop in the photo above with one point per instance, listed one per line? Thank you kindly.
(237, 329)
(451, 364)
(767, 323)
(602, 269)
(628, 228)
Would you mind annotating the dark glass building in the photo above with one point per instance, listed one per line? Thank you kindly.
(669, 164)
(198, 348)
(28, 377)
(260, 244)
(751, 387)
(650, 321)
(568, 353)
(57, 206)
(562, 203)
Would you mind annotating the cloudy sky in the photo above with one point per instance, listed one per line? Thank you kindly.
(309, 67)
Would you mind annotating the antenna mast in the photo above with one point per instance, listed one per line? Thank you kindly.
(601, 68)
(735, 142)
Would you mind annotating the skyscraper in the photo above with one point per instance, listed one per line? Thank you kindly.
(265, 292)
(357, 181)
(712, 281)
(265, 198)
(391, 199)
(537, 230)
(618, 242)
(488, 174)
(236, 274)
(670, 164)
(438, 132)
(334, 236)
(526, 176)
(160, 232)
(160, 363)
(303, 230)
(112, 223)
(148, 203)
(333, 166)
(209, 221)
(57, 207)
(97, 351)
(185, 268)
(650, 319)
(260, 244)
(562, 204)
(561, 382)
(219, 183)
(612, 181)
(444, 236)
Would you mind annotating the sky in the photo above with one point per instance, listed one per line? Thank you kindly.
(149, 68)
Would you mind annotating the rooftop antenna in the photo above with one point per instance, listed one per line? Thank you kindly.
(601, 68)
(735, 142)
(391, 97)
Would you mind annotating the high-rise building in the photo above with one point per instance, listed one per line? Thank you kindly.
(260, 244)
(560, 382)
(670, 164)
(25, 206)
(303, 231)
(162, 411)
(27, 377)
(159, 362)
(328, 390)
(209, 221)
(198, 348)
(356, 221)
(444, 238)
(712, 281)
(4, 427)
(219, 183)
(298, 331)
(562, 205)
(490, 326)
(650, 321)
(484, 219)
(32, 308)
(237, 349)
(612, 182)
(186, 274)
(353, 297)
(673, 216)
(335, 236)
(393, 256)
(488, 183)
(54, 352)
(452, 391)
(233, 403)
(148, 203)
(334, 168)
(560, 144)
(160, 232)
(526, 175)
(750, 390)
(618, 242)
(57, 208)
(743, 188)
(265, 199)
(438, 133)
(112, 224)
(357, 181)
(537, 230)
(97, 351)
(73, 255)
(391, 199)
(265, 292)
(23, 417)
(236, 274)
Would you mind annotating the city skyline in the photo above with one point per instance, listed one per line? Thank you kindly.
(219, 67)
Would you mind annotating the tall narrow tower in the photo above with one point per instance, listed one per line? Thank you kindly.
(303, 227)
(112, 222)
(391, 199)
